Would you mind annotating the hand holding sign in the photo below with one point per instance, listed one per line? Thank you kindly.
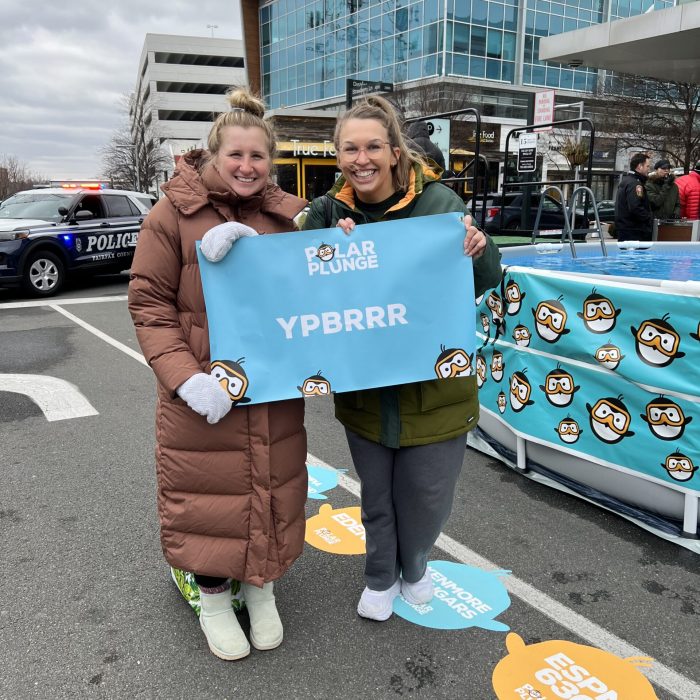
(319, 308)
(217, 241)
(475, 240)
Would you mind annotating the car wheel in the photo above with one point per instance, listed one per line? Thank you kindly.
(44, 274)
(513, 225)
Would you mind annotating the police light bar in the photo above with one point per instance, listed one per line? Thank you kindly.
(82, 185)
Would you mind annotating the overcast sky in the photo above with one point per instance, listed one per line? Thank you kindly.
(64, 67)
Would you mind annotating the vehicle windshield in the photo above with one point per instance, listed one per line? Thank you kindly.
(35, 205)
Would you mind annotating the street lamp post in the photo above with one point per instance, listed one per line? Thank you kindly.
(212, 27)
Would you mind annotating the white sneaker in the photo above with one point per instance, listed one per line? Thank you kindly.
(418, 593)
(266, 630)
(378, 605)
(220, 626)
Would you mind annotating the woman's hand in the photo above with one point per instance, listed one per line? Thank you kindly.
(204, 395)
(475, 239)
(217, 241)
(347, 225)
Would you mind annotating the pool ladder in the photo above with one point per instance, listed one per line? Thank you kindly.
(567, 233)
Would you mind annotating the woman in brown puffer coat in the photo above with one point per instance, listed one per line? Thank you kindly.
(231, 481)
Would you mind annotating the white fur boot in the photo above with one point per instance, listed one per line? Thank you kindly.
(265, 625)
(220, 626)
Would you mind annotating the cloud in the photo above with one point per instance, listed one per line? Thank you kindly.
(65, 68)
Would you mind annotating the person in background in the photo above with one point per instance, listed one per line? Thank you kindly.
(663, 192)
(232, 481)
(407, 442)
(633, 218)
(689, 192)
(419, 136)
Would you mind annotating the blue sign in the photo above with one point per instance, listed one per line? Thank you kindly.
(315, 312)
(322, 479)
(464, 597)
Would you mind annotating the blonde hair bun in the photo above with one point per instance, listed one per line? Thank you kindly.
(247, 110)
(241, 98)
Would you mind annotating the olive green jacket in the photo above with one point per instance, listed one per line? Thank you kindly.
(422, 412)
(663, 197)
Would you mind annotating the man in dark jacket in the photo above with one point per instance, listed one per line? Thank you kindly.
(419, 134)
(633, 218)
(663, 192)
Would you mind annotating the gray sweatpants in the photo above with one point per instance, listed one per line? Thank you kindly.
(407, 496)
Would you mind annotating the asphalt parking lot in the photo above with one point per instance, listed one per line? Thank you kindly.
(89, 609)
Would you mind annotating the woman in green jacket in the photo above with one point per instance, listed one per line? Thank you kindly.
(407, 442)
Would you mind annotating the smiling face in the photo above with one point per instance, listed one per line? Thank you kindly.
(366, 159)
(243, 159)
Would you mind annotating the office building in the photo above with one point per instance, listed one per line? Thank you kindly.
(181, 86)
(301, 52)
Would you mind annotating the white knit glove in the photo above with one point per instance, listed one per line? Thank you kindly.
(217, 241)
(204, 395)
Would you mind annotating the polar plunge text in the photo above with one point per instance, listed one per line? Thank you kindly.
(328, 322)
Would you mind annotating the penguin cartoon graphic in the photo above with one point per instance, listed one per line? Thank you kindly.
(610, 420)
(325, 252)
(520, 391)
(568, 430)
(665, 419)
(317, 385)
(485, 324)
(550, 320)
(501, 402)
(559, 387)
(453, 362)
(599, 314)
(521, 336)
(480, 370)
(679, 466)
(657, 342)
(609, 356)
(232, 378)
(694, 336)
(514, 297)
(497, 366)
(495, 304)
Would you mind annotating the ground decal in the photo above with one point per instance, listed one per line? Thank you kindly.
(464, 597)
(560, 669)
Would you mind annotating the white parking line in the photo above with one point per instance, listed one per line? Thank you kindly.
(102, 336)
(61, 302)
(678, 685)
(674, 683)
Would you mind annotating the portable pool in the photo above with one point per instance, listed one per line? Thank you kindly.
(589, 376)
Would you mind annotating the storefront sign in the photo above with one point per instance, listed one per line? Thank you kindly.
(315, 312)
(490, 135)
(314, 148)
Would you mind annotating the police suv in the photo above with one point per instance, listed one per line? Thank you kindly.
(47, 234)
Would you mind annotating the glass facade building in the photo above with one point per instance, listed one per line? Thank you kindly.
(308, 48)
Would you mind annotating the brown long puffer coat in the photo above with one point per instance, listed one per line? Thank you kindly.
(231, 495)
